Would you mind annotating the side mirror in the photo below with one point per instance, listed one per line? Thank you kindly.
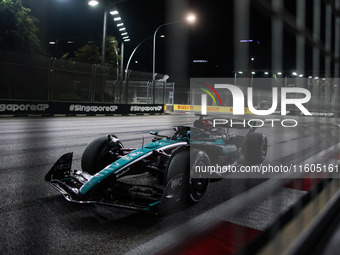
(153, 133)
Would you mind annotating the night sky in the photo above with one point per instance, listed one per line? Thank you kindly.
(211, 38)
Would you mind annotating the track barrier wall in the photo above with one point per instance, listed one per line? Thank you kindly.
(26, 108)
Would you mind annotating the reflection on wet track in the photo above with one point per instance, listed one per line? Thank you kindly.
(35, 219)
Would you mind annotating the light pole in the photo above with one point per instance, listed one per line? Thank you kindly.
(104, 36)
(154, 46)
(94, 3)
(128, 63)
(252, 78)
(117, 18)
(190, 18)
(133, 52)
(240, 72)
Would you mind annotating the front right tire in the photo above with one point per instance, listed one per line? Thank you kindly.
(255, 148)
(193, 189)
(197, 187)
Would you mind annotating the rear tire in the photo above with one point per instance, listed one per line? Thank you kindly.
(255, 148)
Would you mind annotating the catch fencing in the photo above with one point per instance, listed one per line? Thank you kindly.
(37, 78)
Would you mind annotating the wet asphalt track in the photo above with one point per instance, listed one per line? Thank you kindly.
(35, 219)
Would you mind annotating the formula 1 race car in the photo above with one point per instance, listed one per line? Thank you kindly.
(156, 175)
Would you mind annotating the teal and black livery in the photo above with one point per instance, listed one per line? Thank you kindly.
(156, 176)
(120, 167)
(141, 179)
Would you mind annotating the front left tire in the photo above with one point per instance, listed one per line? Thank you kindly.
(101, 152)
